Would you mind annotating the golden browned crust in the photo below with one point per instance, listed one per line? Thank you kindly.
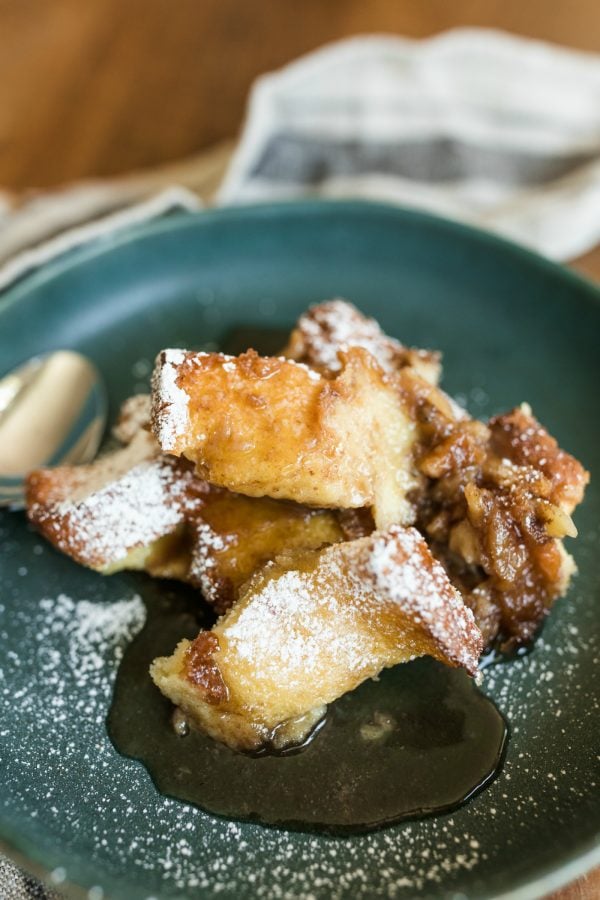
(336, 325)
(313, 625)
(265, 426)
(236, 535)
(125, 510)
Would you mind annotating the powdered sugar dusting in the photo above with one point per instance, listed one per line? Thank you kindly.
(291, 616)
(408, 574)
(92, 630)
(145, 504)
(170, 402)
(84, 481)
(337, 325)
(206, 543)
(128, 499)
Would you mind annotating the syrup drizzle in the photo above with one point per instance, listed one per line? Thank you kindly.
(421, 740)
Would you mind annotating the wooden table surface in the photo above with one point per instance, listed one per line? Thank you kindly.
(100, 87)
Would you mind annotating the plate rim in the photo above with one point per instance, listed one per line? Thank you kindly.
(306, 207)
(550, 878)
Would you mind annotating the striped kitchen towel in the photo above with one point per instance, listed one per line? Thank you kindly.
(494, 130)
(491, 129)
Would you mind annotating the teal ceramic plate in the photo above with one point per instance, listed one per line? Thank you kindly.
(512, 327)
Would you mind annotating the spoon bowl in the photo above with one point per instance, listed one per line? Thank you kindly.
(52, 412)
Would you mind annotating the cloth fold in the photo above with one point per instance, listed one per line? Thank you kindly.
(479, 126)
(48, 227)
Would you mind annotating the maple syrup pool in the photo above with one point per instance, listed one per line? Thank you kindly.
(421, 740)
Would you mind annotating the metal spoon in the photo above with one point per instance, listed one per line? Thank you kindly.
(52, 412)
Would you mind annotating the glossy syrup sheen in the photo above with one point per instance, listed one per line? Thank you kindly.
(421, 740)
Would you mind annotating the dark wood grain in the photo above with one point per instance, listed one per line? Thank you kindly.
(95, 87)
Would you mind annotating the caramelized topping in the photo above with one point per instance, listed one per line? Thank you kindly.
(517, 436)
(328, 328)
(496, 507)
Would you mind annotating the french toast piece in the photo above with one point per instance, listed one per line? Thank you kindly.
(335, 325)
(236, 535)
(134, 415)
(126, 510)
(311, 626)
(139, 509)
(269, 426)
(496, 507)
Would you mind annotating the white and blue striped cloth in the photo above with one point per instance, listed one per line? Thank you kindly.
(487, 128)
